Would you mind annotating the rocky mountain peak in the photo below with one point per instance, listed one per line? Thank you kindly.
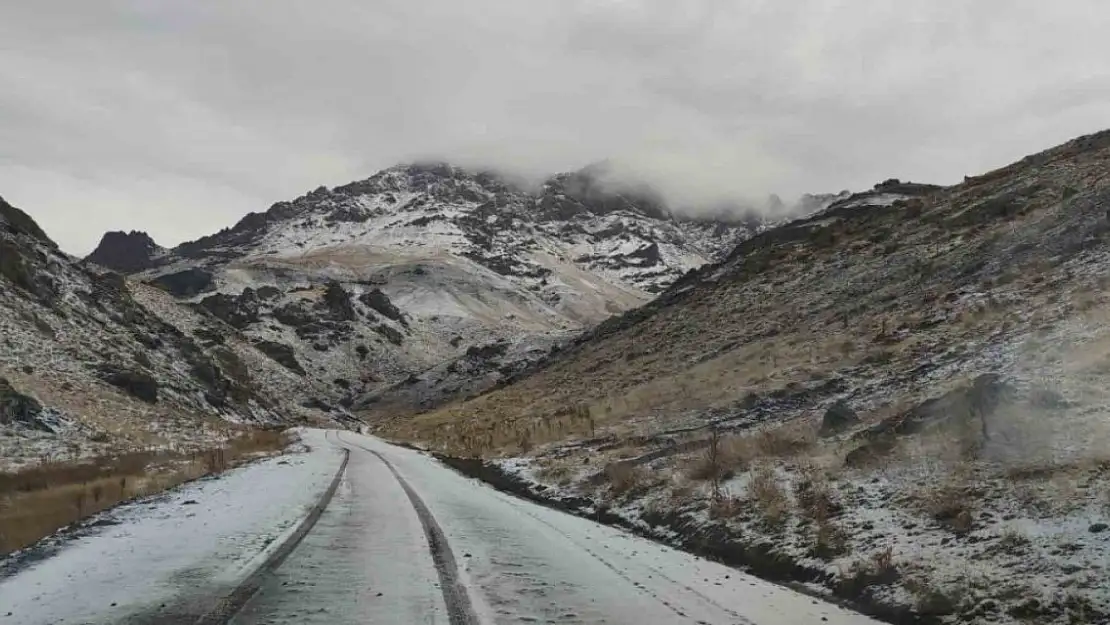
(125, 252)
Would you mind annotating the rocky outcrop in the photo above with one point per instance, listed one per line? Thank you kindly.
(237, 311)
(967, 411)
(125, 252)
(338, 302)
(282, 354)
(379, 302)
(18, 222)
(138, 384)
(15, 407)
(185, 283)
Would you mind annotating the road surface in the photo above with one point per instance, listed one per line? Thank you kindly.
(403, 540)
(406, 540)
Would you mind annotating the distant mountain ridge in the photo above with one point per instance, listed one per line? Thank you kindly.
(436, 262)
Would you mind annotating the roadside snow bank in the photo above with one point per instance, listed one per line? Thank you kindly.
(173, 553)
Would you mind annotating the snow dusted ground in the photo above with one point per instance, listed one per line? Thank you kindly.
(521, 563)
(369, 558)
(177, 551)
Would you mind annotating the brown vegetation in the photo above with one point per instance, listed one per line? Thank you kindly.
(37, 501)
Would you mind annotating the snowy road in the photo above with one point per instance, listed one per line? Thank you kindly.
(378, 556)
(404, 540)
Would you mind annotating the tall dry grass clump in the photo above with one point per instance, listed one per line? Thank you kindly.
(37, 501)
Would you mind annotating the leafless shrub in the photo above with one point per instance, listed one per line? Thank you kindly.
(878, 569)
(725, 506)
(951, 505)
(786, 441)
(813, 494)
(768, 496)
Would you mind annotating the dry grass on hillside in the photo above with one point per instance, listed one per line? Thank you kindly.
(37, 501)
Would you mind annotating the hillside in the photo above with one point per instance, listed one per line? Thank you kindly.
(425, 282)
(92, 365)
(900, 399)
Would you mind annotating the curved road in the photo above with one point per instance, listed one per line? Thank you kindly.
(406, 540)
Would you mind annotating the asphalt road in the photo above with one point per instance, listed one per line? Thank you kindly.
(406, 540)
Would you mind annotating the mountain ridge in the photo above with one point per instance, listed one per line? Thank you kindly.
(467, 260)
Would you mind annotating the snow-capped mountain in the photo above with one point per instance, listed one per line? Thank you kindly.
(372, 283)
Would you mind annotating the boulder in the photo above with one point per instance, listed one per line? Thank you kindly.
(838, 418)
(15, 407)
(139, 385)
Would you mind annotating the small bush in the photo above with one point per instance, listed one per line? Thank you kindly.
(721, 459)
(768, 496)
(879, 569)
(1013, 542)
(931, 600)
(830, 541)
(814, 497)
(951, 506)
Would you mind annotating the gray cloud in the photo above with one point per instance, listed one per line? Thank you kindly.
(178, 117)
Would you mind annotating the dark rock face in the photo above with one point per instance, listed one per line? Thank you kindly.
(338, 302)
(16, 407)
(125, 252)
(486, 352)
(649, 255)
(379, 302)
(390, 334)
(185, 283)
(281, 354)
(18, 222)
(13, 267)
(238, 312)
(137, 384)
(293, 314)
(838, 418)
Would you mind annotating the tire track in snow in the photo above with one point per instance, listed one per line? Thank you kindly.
(732, 613)
(459, 609)
(226, 609)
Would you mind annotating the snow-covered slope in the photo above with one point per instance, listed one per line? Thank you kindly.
(371, 284)
(91, 363)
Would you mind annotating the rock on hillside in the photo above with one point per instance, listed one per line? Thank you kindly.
(377, 282)
(88, 366)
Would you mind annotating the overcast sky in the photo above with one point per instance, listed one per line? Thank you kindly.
(179, 116)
